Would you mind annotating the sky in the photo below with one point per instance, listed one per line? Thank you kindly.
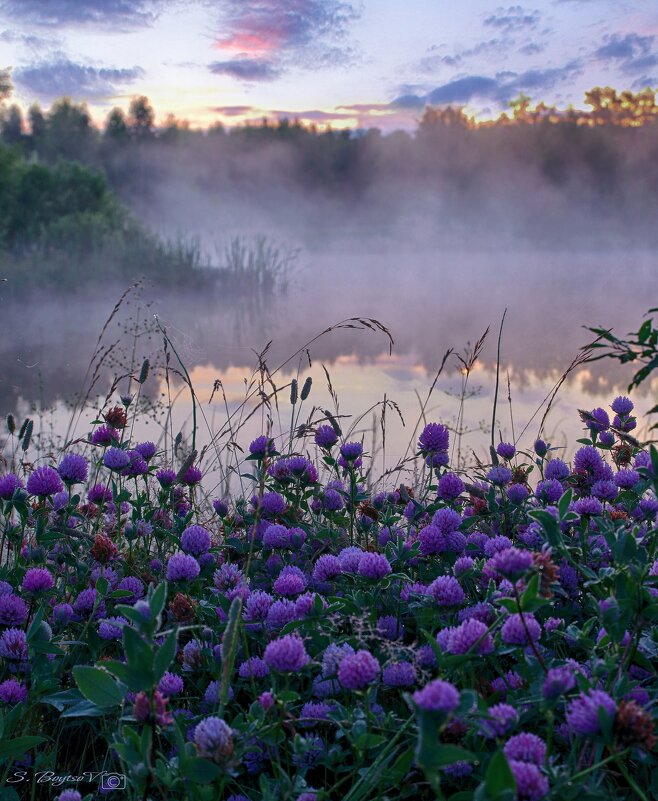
(362, 64)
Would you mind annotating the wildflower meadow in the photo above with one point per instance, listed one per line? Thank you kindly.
(487, 634)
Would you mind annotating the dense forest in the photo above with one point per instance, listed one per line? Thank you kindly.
(66, 185)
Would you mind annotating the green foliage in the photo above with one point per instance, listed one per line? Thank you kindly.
(62, 225)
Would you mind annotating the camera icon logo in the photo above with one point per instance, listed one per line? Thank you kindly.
(113, 781)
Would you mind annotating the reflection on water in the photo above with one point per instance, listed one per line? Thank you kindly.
(429, 302)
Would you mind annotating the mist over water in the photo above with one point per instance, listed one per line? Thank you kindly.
(435, 235)
(429, 301)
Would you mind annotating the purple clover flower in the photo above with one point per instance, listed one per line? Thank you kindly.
(104, 435)
(531, 784)
(146, 450)
(166, 477)
(627, 479)
(182, 567)
(214, 739)
(99, 495)
(192, 476)
(500, 476)
(589, 460)
(558, 681)
(462, 639)
(502, 718)
(433, 438)
(195, 540)
(556, 469)
(325, 437)
(44, 481)
(601, 421)
(73, 469)
(526, 747)
(290, 581)
(437, 696)
(170, 684)
(511, 562)
(446, 591)
(450, 487)
(588, 506)
(13, 610)
(374, 566)
(356, 671)
(12, 692)
(286, 654)
(514, 632)
(622, 405)
(583, 712)
(351, 451)
(220, 507)
(328, 567)
(116, 459)
(262, 446)
(446, 520)
(111, 628)
(253, 668)
(276, 536)
(273, 504)
(505, 450)
(9, 483)
(13, 645)
(399, 674)
(517, 493)
(37, 579)
(280, 613)
(550, 490)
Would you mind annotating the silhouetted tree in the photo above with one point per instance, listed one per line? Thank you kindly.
(141, 118)
(116, 127)
(11, 125)
(5, 84)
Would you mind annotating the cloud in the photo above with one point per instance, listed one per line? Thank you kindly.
(645, 81)
(532, 49)
(119, 14)
(30, 40)
(367, 108)
(632, 53)
(315, 115)
(233, 111)
(246, 69)
(307, 33)
(501, 88)
(464, 89)
(50, 80)
(513, 19)
(490, 47)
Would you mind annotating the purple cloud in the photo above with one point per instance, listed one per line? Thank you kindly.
(246, 69)
(49, 80)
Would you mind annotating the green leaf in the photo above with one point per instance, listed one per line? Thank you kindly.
(199, 770)
(499, 778)
(563, 503)
(17, 747)
(61, 699)
(158, 599)
(369, 741)
(447, 754)
(138, 653)
(85, 709)
(98, 686)
(134, 679)
(165, 655)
